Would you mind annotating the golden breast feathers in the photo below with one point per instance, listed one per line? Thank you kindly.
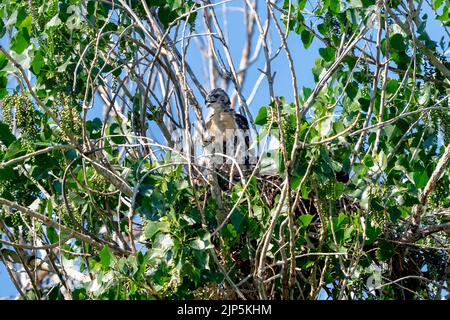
(221, 124)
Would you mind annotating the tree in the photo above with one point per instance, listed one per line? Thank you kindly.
(355, 204)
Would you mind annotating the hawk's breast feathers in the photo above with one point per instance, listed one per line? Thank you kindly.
(230, 131)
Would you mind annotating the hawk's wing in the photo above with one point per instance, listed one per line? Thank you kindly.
(241, 122)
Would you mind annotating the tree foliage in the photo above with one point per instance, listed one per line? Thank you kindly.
(104, 206)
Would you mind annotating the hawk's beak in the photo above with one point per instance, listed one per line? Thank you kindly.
(208, 101)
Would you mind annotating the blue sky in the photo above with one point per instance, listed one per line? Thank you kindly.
(304, 61)
(7, 289)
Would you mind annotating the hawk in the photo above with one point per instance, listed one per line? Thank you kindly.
(228, 131)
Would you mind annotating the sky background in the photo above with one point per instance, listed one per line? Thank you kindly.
(303, 59)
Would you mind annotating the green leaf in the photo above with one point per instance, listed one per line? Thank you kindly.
(420, 178)
(237, 219)
(2, 28)
(365, 197)
(15, 149)
(394, 213)
(175, 4)
(368, 161)
(317, 69)
(22, 59)
(79, 294)
(325, 126)
(425, 95)
(22, 14)
(229, 231)
(6, 174)
(49, 208)
(352, 90)
(74, 21)
(376, 205)
(3, 61)
(163, 242)
(392, 86)
(20, 41)
(295, 182)
(26, 23)
(55, 21)
(37, 63)
(385, 250)
(397, 42)
(342, 219)
(360, 169)
(372, 233)
(301, 4)
(6, 137)
(94, 125)
(437, 4)
(323, 29)
(307, 38)
(306, 92)
(338, 190)
(335, 6)
(348, 233)
(328, 54)
(63, 67)
(52, 235)
(114, 130)
(305, 220)
(261, 118)
(202, 243)
(106, 257)
(3, 84)
(382, 160)
(356, 4)
(40, 172)
(12, 18)
(444, 17)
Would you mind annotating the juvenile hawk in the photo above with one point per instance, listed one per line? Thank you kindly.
(228, 131)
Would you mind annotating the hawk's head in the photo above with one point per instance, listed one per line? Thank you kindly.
(217, 98)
